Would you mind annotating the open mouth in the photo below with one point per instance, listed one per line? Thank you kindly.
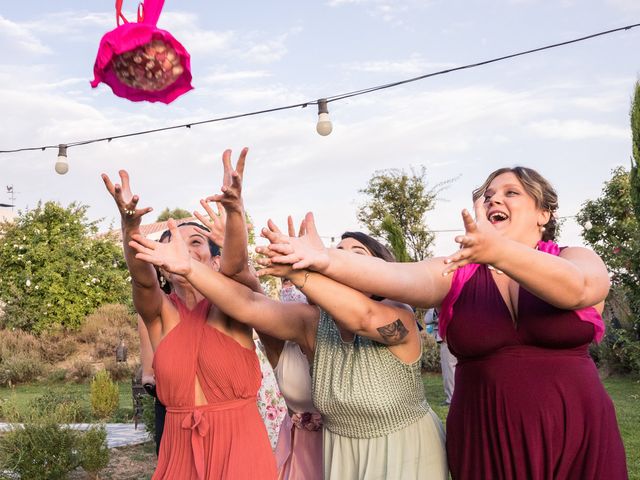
(497, 217)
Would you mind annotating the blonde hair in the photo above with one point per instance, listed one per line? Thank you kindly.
(537, 187)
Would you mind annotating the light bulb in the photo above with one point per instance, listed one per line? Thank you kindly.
(62, 165)
(324, 126)
(588, 225)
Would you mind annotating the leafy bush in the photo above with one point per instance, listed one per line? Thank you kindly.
(149, 414)
(105, 395)
(93, 450)
(62, 406)
(56, 270)
(619, 352)
(39, 451)
(13, 342)
(430, 354)
(57, 375)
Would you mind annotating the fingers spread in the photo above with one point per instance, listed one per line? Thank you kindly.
(291, 228)
(480, 210)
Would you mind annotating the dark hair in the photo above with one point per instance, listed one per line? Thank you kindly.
(213, 248)
(375, 248)
(537, 187)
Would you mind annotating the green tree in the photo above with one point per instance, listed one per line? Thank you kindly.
(56, 269)
(176, 213)
(397, 201)
(634, 177)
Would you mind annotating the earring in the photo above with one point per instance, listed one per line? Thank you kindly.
(542, 229)
(163, 282)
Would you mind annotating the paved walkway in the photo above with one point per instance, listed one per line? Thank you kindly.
(118, 434)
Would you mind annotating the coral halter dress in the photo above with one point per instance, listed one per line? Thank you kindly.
(226, 438)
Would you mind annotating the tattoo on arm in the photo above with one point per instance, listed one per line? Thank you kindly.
(394, 332)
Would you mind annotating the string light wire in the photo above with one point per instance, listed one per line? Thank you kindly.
(333, 98)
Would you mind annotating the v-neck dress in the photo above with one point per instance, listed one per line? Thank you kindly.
(226, 438)
(528, 402)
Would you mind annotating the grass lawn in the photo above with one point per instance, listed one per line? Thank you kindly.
(625, 392)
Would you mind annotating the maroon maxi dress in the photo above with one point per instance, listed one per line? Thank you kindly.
(528, 402)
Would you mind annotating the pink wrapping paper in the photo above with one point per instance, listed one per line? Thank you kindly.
(141, 62)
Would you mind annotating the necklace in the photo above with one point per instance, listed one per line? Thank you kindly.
(491, 267)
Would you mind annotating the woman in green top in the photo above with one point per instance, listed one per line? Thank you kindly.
(365, 354)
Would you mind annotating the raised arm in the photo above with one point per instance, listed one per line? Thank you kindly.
(575, 279)
(234, 261)
(420, 284)
(147, 296)
(290, 321)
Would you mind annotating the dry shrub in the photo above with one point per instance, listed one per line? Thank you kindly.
(22, 367)
(105, 327)
(430, 354)
(14, 342)
(119, 371)
(57, 347)
(81, 371)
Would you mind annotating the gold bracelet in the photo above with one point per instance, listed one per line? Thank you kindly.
(304, 282)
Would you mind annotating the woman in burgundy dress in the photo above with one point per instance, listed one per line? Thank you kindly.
(519, 314)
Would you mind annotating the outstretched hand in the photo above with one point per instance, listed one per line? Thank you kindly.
(173, 256)
(215, 222)
(304, 251)
(125, 200)
(479, 244)
(231, 196)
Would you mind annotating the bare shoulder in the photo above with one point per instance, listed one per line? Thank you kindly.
(581, 255)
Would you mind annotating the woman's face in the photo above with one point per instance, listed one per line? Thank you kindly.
(354, 246)
(198, 247)
(512, 211)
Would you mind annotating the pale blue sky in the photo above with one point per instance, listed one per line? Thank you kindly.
(563, 112)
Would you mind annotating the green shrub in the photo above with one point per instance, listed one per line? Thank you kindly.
(39, 451)
(105, 395)
(93, 450)
(58, 375)
(149, 414)
(619, 352)
(62, 406)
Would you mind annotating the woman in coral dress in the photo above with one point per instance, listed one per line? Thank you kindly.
(207, 371)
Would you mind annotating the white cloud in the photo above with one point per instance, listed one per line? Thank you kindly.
(224, 76)
(414, 65)
(577, 129)
(20, 37)
(186, 29)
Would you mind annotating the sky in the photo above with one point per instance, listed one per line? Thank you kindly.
(564, 112)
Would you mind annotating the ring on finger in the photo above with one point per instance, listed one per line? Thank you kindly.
(130, 212)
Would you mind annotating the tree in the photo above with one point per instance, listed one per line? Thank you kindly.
(397, 202)
(615, 220)
(56, 270)
(176, 213)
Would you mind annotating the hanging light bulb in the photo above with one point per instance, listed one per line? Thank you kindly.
(62, 165)
(324, 126)
(588, 225)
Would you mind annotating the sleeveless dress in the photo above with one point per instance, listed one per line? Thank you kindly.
(225, 439)
(299, 448)
(528, 402)
(378, 424)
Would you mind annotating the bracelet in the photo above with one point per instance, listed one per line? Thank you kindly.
(304, 281)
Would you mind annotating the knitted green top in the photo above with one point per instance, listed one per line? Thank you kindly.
(361, 389)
